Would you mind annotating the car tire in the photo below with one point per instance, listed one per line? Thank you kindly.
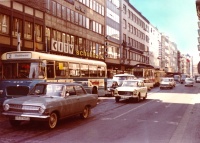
(15, 123)
(117, 99)
(86, 112)
(145, 96)
(53, 120)
(138, 98)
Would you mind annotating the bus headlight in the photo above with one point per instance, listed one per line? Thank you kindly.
(41, 109)
(6, 107)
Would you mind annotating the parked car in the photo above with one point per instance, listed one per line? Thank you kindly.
(177, 78)
(198, 79)
(131, 89)
(189, 82)
(50, 102)
(111, 86)
(167, 82)
(147, 83)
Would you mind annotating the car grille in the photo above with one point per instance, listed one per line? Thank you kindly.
(24, 108)
(17, 90)
(125, 93)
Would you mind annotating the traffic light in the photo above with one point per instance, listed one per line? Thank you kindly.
(198, 67)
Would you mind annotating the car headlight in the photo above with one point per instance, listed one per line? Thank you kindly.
(115, 91)
(41, 109)
(6, 107)
(135, 91)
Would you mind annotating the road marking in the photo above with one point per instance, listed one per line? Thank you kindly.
(132, 110)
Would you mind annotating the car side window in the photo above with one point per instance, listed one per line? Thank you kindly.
(70, 90)
(79, 90)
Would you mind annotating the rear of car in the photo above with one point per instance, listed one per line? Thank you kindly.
(167, 83)
(189, 82)
(198, 79)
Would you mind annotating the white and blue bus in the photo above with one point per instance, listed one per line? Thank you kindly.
(21, 70)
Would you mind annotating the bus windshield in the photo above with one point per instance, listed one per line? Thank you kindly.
(22, 70)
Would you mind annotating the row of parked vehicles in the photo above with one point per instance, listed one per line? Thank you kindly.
(51, 101)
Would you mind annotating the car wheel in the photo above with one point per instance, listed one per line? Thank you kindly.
(15, 123)
(145, 96)
(53, 120)
(86, 112)
(138, 98)
(117, 99)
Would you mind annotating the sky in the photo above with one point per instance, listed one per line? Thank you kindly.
(176, 19)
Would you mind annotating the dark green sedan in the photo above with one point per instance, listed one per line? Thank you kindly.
(50, 102)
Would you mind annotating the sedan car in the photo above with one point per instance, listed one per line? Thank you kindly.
(147, 83)
(131, 89)
(189, 82)
(167, 82)
(198, 79)
(50, 102)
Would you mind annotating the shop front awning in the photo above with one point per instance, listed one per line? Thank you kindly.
(147, 66)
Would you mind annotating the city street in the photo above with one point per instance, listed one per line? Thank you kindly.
(167, 116)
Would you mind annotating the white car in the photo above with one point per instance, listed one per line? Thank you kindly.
(167, 82)
(189, 82)
(131, 89)
(147, 83)
(198, 79)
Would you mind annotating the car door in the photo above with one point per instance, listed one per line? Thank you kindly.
(71, 101)
(83, 99)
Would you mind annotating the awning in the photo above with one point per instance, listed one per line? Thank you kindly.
(143, 66)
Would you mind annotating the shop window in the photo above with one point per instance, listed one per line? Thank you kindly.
(28, 30)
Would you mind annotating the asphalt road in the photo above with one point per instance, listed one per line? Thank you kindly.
(167, 116)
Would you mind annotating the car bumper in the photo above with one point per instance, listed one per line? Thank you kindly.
(126, 96)
(13, 114)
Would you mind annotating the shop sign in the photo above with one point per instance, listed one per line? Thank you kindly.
(62, 47)
(18, 56)
(88, 54)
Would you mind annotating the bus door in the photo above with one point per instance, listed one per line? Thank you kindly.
(50, 69)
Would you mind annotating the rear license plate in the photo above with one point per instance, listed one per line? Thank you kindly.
(22, 118)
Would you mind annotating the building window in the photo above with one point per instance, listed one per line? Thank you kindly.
(80, 20)
(58, 10)
(28, 30)
(124, 9)
(4, 24)
(53, 7)
(64, 13)
(17, 27)
(124, 23)
(68, 14)
(72, 16)
(38, 33)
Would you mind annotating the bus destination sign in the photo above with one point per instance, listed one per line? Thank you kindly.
(18, 56)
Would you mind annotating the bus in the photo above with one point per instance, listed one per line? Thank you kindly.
(21, 70)
(158, 75)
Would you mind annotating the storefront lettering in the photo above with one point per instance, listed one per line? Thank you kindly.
(88, 54)
(62, 47)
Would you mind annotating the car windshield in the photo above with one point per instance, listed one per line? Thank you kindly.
(50, 89)
(130, 83)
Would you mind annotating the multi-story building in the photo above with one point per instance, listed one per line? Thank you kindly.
(72, 28)
(112, 37)
(155, 47)
(135, 37)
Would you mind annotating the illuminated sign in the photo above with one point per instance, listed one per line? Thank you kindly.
(18, 56)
